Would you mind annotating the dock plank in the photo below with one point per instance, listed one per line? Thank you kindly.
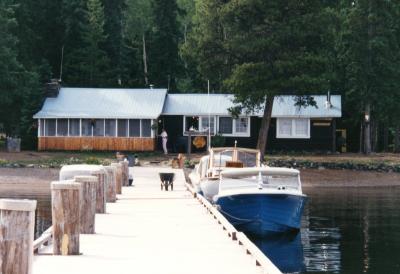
(153, 231)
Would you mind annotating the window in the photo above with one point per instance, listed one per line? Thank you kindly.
(74, 127)
(122, 128)
(234, 127)
(134, 128)
(146, 128)
(110, 127)
(86, 127)
(41, 131)
(204, 125)
(293, 128)
(241, 125)
(191, 122)
(50, 127)
(225, 125)
(62, 127)
(98, 127)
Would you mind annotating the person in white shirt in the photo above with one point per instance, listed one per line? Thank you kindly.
(164, 137)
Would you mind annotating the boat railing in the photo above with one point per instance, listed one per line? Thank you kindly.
(267, 182)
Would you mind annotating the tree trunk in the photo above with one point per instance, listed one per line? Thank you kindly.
(266, 121)
(397, 138)
(361, 137)
(367, 130)
(146, 80)
(333, 135)
(385, 137)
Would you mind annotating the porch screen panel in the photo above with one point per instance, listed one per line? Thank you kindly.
(122, 128)
(284, 127)
(225, 125)
(62, 127)
(86, 127)
(41, 132)
(98, 127)
(110, 127)
(134, 128)
(146, 128)
(73, 127)
(50, 127)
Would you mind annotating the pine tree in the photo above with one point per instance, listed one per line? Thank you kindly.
(164, 56)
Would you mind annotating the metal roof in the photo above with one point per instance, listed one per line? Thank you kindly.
(104, 103)
(218, 104)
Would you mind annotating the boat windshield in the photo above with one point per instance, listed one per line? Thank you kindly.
(235, 158)
(280, 182)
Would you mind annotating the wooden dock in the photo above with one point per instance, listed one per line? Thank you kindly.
(152, 231)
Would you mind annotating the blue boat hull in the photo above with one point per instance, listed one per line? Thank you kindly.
(261, 214)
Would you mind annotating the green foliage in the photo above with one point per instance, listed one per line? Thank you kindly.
(218, 140)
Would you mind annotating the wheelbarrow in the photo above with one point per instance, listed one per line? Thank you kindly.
(167, 180)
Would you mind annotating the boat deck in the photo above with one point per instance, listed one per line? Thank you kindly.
(152, 231)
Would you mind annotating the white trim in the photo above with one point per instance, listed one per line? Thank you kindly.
(68, 127)
(116, 127)
(56, 128)
(293, 129)
(39, 124)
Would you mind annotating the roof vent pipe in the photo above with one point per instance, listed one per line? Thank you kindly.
(328, 103)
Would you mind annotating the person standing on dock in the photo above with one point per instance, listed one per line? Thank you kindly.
(164, 137)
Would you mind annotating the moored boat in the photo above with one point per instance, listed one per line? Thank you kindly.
(261, 200)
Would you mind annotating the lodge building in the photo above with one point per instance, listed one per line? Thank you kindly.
(132, 119)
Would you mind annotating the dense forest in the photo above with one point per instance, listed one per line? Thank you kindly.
(251, 48)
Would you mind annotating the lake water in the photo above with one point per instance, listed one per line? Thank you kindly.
(351, 230)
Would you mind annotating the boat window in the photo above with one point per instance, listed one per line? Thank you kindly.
(221, 158)
(247, 158)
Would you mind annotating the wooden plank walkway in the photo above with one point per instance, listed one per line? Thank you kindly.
(153, 231)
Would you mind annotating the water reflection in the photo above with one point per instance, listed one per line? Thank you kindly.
(285, 250)
(353, 230)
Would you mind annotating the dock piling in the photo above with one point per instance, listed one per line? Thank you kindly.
(101, 190)
(118, 177)
(17, 218)
(88, 203)
(65, 200)
(111, 196)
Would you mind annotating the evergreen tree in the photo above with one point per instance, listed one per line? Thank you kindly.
(165, 63)
(370, 54)
(113, 28)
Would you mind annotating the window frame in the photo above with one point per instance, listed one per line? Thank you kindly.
(293, 134)
(200, 123)
(234, 132)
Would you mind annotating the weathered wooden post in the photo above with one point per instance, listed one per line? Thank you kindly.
(17, 221)
(118, 177)
(101, 190)
(88, 203)
(125, 173)
(65, 199)
(111, 196)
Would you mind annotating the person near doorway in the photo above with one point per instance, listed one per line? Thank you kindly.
(164, 137)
